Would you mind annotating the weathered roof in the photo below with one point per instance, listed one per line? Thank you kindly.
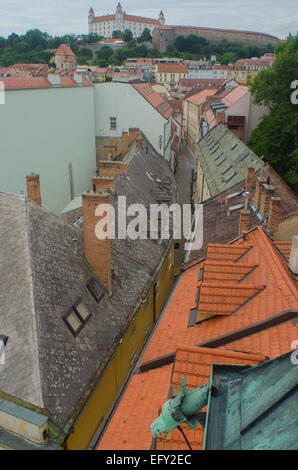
(64, 50)
(254, 408)
(265, 326)
(222, 212)
(42, 276)
(224, 159)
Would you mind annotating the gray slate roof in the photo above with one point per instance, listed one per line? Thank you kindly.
(224, 159)
(42, 277)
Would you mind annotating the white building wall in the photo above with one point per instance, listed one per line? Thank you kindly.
(42, 131)
(122, 101)
(209, 73)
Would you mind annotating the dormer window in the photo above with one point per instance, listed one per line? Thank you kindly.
(77, 317)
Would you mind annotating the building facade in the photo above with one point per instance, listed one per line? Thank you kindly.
(120, 21)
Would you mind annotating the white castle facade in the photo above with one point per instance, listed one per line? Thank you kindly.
(120, 21)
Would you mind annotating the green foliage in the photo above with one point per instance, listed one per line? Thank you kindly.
(276, 137)
(145, 36)
(117, 34)
(127, 35)
(195, 48)
(103, 56)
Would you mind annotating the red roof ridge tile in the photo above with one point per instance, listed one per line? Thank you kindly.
(219, 285)
(221, 352)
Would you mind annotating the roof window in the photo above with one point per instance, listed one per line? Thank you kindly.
(77, 317)
(95, 290)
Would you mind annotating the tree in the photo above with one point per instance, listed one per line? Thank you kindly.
(127, 35)
(276, 137)
(103, 56)
(117, 34)
(145, 36)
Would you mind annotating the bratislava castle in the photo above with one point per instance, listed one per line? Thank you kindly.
(105, 25)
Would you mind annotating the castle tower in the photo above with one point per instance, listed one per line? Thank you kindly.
(119, 12)
(161, 18)
(90, 18)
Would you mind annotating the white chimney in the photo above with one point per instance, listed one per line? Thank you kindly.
(293, 263)
(54, 79)
(78, 78)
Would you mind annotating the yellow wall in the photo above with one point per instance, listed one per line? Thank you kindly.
(119, 367)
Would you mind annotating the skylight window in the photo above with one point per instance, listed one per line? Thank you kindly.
(77, 317)
(234, 146)
(221, 162)
(227, 169)
(231, 176)
(95, 289)
(3, 341)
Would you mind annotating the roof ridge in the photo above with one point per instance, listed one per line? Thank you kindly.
(229, 264)
(220, 351)
(232, 285)
(33, 309)
(276, 258)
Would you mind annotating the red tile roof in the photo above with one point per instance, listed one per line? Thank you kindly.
(15, 83)
(269, 340)
(136, 19)
(172, 68)
(155, 99)
(64, 50)
(201, 96)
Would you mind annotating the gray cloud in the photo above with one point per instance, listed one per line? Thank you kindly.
(70, 16)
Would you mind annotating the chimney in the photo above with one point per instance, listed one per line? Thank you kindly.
(244, 222)
(103, 182)
(266, 195)
(33, 188)
(250, 178)
(220, 117)
(133, 134)
(293, 263)
(54, 79)
(258, 190)
(111, 169)
(124, 143)
(274, 211)
(139, 143)
(78, 78)
(97, 252)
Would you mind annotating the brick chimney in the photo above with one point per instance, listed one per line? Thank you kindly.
(33, 188)
(111, 169)
(124, 143)
(102, 182)
(266, 195)
(139, 143)
(293, 263)
(97, 252)
(220, 117)
(250, 178)
(258, 191)
(274, 211)
(133, 134)
(244, 222)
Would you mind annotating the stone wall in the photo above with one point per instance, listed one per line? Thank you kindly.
(166, 36)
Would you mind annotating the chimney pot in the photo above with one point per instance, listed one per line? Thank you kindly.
(267, 193)
(250, 178)
(244, 222)
(97, 252)
(100, 183)
(124, 143)
(274, 211)
(33, 188)
(293, 263)
(259, 188)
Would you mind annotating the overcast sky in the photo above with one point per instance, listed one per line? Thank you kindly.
(57, 17)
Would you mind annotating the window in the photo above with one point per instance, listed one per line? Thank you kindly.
(3, 341)
(113, 123)
(95, 289)
(77, 317)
